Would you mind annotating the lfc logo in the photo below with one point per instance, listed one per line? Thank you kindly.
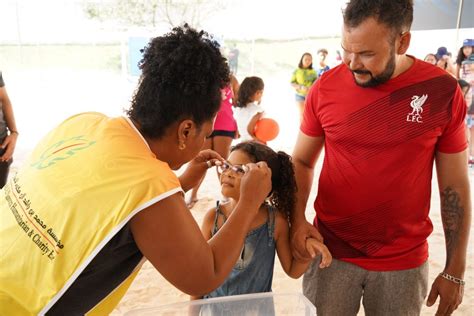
(416, 104)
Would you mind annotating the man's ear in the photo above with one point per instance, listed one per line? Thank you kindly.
(404, 42)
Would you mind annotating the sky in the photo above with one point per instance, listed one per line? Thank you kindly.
(31, 21)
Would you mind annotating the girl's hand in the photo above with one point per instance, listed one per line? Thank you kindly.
(314, 247)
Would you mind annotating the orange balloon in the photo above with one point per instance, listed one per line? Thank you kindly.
(266, 129)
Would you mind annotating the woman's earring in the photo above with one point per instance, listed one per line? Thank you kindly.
(181, 145)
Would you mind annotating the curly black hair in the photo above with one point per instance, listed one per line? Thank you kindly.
(395, 14)
(283, 194)
(247, 89)
(182, 75)
(300, 64)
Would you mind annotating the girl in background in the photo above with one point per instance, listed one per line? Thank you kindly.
(8, 133)
(248, 109)
(464, 52)
(431, 58)
(224, 130)
(269, 232)
(303, 78)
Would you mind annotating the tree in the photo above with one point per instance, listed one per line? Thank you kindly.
(151, 13)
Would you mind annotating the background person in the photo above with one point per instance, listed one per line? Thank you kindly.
(467, 74)
(223, 131)
(302, 79)
(73, 239)
(381, 138)
(8, 133)
(464, 52)
(444, 60)
(322, 66)
(247, 108)
(431, 58)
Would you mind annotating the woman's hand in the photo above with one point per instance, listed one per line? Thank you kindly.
(197, 168)
(255, 184)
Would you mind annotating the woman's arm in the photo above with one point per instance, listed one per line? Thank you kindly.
(169, 237)
(206, 230)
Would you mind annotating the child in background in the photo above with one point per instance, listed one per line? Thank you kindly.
(223, 131)
(253, 272)
(247, 108)
(302, 79)
(464, 52)
(8, 133)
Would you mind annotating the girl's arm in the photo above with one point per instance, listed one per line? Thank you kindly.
(235, 85)
(252, 123)
(290, 265)
(206, 229)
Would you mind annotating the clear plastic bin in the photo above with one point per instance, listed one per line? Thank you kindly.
(258, 304)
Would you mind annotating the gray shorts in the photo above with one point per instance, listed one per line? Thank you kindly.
(338, 290)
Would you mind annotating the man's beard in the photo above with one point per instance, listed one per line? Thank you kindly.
(379, 79)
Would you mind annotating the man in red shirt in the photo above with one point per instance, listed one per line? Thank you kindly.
(383, 118)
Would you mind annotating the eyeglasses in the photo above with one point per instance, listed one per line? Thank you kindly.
(225, 166)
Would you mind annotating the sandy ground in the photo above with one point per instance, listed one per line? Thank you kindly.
(110, 94)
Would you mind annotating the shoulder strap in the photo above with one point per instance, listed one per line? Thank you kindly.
(215, 228)
(271, 223)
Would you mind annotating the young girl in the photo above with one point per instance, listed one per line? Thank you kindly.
(253, 272)
(223, 131)
(464, 52)
(302, 79)
(248, 109)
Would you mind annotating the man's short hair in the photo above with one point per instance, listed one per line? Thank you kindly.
(395, 14)
(323, 50)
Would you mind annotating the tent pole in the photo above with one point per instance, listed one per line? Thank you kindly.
(458, 22)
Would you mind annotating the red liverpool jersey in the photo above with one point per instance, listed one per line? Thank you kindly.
(375, 184)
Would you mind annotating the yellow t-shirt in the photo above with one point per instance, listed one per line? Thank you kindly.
(304, 77)
(80, 186)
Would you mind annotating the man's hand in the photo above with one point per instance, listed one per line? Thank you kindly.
(450, 295)
(300, 231)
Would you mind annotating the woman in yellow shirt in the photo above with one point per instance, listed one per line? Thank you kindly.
(98, 195)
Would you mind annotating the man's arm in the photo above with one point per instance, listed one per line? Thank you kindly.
(305, 155)
(455, 198)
